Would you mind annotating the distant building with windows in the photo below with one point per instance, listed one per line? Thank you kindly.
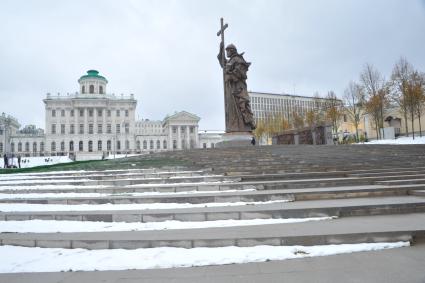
(92, 122)
(267, 105)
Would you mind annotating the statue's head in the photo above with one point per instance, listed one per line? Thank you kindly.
(230, 50)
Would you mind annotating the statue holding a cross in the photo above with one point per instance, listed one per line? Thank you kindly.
(239, 118)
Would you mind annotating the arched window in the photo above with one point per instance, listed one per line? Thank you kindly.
(158, 144)
(91, 89)
(118, 145)
(127, 144)
(62, 146)
(19, 146)
(138, 145)
(145, 145)
(34, 147)
(83, 89)
(80, 146)
(27, 146)
(42, 147)
(90, 146)
(71, 146)
(101, 89)
(164, 144)
(99, 145)
(108, 145)
(53, 147)
(151, 144)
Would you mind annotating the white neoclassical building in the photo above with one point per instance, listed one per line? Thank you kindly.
(93, 122)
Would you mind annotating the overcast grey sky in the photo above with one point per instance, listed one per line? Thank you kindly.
(165, 51)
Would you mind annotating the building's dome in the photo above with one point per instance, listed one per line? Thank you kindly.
(92, 83)
(92, 74)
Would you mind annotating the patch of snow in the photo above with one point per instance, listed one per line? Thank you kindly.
(118, 156)
(23, 259)
(401, 140)
(13, 207)
(51, 187)
(54, 226)
(42, 181)
(90, 195)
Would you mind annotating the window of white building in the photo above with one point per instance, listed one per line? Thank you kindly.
(99, 145)
(118, 128)
(99, 128)
(90, 146)
(53, 147)
(53, 128)
(90, 128)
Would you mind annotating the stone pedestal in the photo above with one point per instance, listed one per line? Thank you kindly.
(235, 139)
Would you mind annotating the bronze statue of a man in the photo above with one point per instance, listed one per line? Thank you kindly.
(239, 116)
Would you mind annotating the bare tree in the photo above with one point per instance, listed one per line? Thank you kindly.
(420, 106)
(333, 110)
(399, 79)
(414, 97)
(376, 92)
(354, 99)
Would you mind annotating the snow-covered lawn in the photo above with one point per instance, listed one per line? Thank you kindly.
(22, 259)
(53, 226)
(27, 162)
(13, 207)
(401, 140)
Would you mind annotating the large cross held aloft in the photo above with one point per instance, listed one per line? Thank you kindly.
(221, 32)
(223, 63)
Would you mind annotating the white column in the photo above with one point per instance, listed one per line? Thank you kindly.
(179, 140)
(187, 137)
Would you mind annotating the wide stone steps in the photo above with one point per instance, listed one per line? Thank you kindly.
(125, 182)
(366, 229)
(217, 196)
(297, 209)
